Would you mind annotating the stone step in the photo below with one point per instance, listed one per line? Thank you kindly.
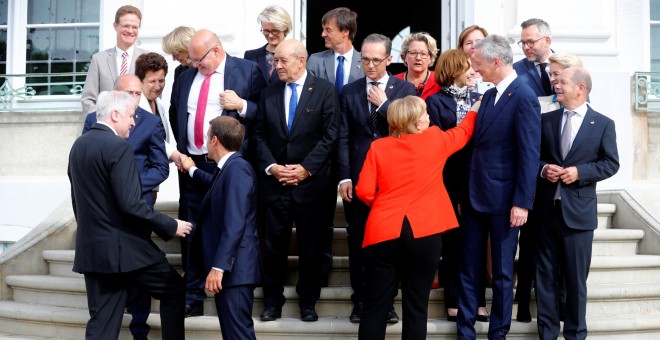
(47, 322)
(616, 242)
(335, 301)
(624, 269)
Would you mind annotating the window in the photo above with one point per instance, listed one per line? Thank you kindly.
(62, 36)
(4, 9)
(655, 35)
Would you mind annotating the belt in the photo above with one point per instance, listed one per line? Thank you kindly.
(202, 158)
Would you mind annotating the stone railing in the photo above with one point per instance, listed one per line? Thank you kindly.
(647, 91)
(41, 88)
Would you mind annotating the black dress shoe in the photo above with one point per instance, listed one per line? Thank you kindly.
(452, 318)
(356, 313)
(483, 317)
(392, 316)
(271, 314)
(140, 337)
(194, 310)
(308, 314)
(523, 315)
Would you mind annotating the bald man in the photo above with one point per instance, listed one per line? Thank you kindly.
(217, 85)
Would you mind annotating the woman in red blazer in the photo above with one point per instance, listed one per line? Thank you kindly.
(402, 183)
(418, 52)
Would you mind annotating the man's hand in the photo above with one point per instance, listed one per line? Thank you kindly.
(518, 216)
(229, 100)
(186, 163)
(183, 228)
(214, 281)
(475, 107)
(569, 175)
(294, 174)
(376, 96)
(552, 172)
(346, 191)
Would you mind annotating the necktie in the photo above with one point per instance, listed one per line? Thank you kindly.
(566, 133)
(545, 80)
(271, 63)
(293, 104)
(373, 114)
(124, 64)
(339, 78)
(201, 111)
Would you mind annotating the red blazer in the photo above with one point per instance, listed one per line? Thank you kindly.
(403, 177)
(431, 87)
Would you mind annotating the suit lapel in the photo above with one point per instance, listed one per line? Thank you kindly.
(111, 63)
(555, 125)
(534, 74)
(487, 111)
(329, 64)
(229, 79)
(586, 129)
(356, 67)
(498, 108)
(183, 104)
(305, 92)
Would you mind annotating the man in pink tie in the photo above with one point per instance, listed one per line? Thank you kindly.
(107, 65)
(217, 85)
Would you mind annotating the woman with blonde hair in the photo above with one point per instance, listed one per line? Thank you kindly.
(175, 43)
(401, 182)
(418, 52)
(275, 24)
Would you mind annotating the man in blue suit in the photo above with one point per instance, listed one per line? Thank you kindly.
(358, 127)
(225, 246)
(501, 185)
(578, 149)
(147, 139)
(535, 39)
(217, 85)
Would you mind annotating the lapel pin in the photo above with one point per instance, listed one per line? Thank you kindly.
(309, 89)
(137, 116)
(509, 94)
(592, 122)
(358, 65)
(391, 87)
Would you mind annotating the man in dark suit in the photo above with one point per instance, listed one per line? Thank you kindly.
(501, 185)
(578, 149)
(364, 119)
(296, 137)
(217, 85)
(534, 69)
(225, 243)
(535, 39)
(113, 243)
(147, 141)
(107, 65)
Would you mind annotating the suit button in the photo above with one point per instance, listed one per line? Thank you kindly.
(375, 136)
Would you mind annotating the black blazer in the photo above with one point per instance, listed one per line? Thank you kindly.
(593, 152)
(114, 222)
(311, 143)
(258, 55)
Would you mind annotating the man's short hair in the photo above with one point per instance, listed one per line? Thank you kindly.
(346, 20)
(379, 38)
(495, 46)
(544, 28)
(149, 62)
(109, 101)
(229, 132)
(581, 76)
(127, 9)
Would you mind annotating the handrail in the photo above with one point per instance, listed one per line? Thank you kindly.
(647, 91)
(8, 93)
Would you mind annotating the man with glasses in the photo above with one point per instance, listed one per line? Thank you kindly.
(364, 104)
(340, 64)
(535, 40)
(147, 141)
(534, 70)
(107, 65)
(217, 85)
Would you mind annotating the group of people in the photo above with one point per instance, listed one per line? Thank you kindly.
(438, 169)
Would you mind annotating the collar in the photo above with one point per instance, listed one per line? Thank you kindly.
(129, 51)
(221, 68)
(383, 81)
(501, 87)
(224, 159)
(301, 80)
(348, 55)
(580, 110)
(108, 125)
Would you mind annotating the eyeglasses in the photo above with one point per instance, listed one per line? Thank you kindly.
(273, 32)
(376, 61)
(422, 55)
(192, 60)
(529, 43)
(134, 93)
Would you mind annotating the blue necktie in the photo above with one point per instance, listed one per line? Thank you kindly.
(293, 104)
(339, 78)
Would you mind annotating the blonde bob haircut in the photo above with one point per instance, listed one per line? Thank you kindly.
(566, 60)
(403, 115)
(451, 64)
(277, 16)
(177, 40)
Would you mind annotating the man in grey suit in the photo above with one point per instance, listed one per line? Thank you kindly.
(107, 65)
(339, 28)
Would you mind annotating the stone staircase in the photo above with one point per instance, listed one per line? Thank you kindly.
(624, 297)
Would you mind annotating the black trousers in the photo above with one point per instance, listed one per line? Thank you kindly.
(107, 295)
(356, 215)
(313, 224)
(451, 257)
(412, 260)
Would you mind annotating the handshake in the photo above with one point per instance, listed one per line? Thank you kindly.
(182, 162)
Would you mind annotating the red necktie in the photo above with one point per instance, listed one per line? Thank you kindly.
(201, 110)
(124, 64)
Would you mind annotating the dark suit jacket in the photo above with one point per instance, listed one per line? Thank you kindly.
(259, 56)
(505, 152)
(311, 143)
(593, 152)
(441, 108)
(147, 139)
(322, 64)
(530, 73)
(355, 130)
(226, 232)
(242, 76)
(114, 222)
